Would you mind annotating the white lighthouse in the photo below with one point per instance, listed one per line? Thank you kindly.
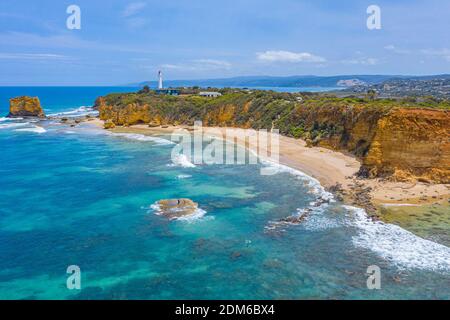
(160, 80)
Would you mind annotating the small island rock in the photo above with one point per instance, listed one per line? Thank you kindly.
(176, 208)
(25, 107)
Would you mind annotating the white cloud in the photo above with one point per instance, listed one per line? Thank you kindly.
(443, 53)
(362, 61)
(394, 49)
(174, 66)
(287, 56)
(211, 63)
(133, 8)
(32, 56)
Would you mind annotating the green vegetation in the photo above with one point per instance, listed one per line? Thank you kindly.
(311, 116)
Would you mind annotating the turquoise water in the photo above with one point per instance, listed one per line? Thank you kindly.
(81, 196)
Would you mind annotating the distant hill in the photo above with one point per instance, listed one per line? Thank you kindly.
(399, 88)
(291, 81)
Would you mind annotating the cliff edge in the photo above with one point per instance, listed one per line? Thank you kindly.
(396, 140)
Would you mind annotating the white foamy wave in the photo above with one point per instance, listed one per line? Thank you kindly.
(81, 111)
(196, 215)
(311, 218)
(3, 119)
(399, 246)
(314, 184)
(156, 208)
(184, 176)
(34, 129)
(13, 125)
(182, 161)
(317, 220)
(143, 138)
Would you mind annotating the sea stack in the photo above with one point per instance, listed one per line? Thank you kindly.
(25, 107)
(176, 208)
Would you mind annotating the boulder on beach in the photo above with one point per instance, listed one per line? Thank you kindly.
(25, 107)
(176, 208)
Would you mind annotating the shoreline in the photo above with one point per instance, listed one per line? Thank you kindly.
(334, 170)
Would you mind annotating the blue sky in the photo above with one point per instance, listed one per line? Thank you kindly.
(125, 41)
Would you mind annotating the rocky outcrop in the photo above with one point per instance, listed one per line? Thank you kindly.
(25, 107)
(411, 144)
(402, 144)
(176, 208)
(395, 142)
(129, 114)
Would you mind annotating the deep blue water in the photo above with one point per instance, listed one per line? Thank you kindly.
(81, 196)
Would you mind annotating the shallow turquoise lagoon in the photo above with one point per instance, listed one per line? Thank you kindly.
(81, 196)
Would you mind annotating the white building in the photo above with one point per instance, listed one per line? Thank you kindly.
(210, 94)
(160, 80)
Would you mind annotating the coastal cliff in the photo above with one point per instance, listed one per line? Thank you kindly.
(25, 107)
(411, 142)
(399, 140)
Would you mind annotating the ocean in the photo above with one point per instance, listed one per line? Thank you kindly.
(83, 196)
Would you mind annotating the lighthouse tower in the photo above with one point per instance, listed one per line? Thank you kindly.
(160, 80)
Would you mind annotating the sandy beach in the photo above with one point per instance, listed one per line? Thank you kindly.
(331, 168)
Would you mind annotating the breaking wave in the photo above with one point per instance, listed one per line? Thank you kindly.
(397, 245)
(34, 129)
(182, 161)
(79, 112)
(391, 242)
(313, 184)
(196, 215)
(143, 138)
(2, 119)
(184, 176)
(13, 125)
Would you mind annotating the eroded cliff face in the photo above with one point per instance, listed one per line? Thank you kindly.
(25, 107)
(411, 143)
(129, 114)
(397, 143)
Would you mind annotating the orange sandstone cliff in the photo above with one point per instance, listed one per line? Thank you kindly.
(395, 142)
(25, 107)
(411, 143)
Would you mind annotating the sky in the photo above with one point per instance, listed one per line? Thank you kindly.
(128, 41)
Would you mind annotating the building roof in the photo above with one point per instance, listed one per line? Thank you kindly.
(207, 93)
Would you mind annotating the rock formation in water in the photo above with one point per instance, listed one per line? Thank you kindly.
(396, 139)
(25, 107)
(176, 208)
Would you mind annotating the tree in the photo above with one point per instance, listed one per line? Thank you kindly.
(371, 94)
(145, 89)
